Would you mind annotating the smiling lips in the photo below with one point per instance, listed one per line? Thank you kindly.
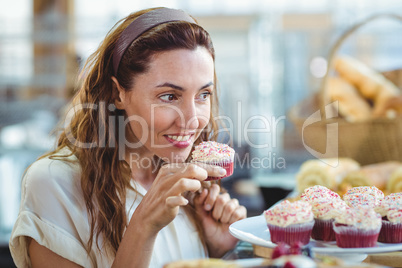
(180, 141)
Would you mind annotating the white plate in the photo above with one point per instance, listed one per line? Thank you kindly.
(255, 231)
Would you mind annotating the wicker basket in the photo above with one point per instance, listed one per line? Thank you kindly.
(325, 134)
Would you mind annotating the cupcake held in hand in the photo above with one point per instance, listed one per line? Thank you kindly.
(290, 222)
(214, 153)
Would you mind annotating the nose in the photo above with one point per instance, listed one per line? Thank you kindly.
(188, 118)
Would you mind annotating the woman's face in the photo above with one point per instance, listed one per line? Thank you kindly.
(170, 104)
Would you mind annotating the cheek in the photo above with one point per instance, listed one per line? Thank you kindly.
(162, 119)
(139, 121)
(139, 128)
(204, 116)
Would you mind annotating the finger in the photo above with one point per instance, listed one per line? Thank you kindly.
(239, 214)
(194, 171)
(211, 198)
(184, 185)
(228, 210)
(220, 203)
(212, 170)
(175, 201)
(199, 201)
(184, 170)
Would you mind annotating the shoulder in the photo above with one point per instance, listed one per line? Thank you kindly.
(51, 180)
(51, 170)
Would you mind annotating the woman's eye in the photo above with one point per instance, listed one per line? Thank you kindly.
(205, 95)
(168, 97)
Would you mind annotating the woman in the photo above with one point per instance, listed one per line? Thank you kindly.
(118, 190)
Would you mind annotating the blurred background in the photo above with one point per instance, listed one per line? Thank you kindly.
(270, 56)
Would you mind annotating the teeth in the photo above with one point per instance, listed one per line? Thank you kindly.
(180, 138)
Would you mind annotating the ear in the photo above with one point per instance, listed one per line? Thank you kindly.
(120, 98)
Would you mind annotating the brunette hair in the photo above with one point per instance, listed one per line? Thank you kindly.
(105, 177)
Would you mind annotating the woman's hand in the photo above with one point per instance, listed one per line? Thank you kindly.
(158, 208)
(161, 203)
(217, 211)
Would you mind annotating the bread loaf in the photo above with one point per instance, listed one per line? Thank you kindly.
(325, 172)
(394, 184)
(352, 106)
(370, 175)
(371, 84)
(392, 108)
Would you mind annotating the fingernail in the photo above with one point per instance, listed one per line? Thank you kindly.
(222, 172)
(207, 207)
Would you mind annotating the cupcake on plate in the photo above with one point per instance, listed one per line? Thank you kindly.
(214, 153)
(357, 228)
(325, 210)
(290, 222)
(390, 209)
(326, 204)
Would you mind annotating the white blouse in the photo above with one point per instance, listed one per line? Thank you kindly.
(53, 212)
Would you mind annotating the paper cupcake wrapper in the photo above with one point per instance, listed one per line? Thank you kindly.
(323, 230)
(390, 232)
(352, 237)
(292, 233)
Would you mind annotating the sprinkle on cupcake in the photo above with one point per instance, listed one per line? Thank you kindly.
(318, 192)
(326, 209)
(362, 218)
(360, 200)
(213, 151)
(363, 196)
(391, 201)
(368, 190)
(287, 213)
(395, 215)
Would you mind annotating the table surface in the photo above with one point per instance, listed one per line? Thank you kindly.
(243, 250)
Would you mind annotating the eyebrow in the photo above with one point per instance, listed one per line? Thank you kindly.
(182, 89)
